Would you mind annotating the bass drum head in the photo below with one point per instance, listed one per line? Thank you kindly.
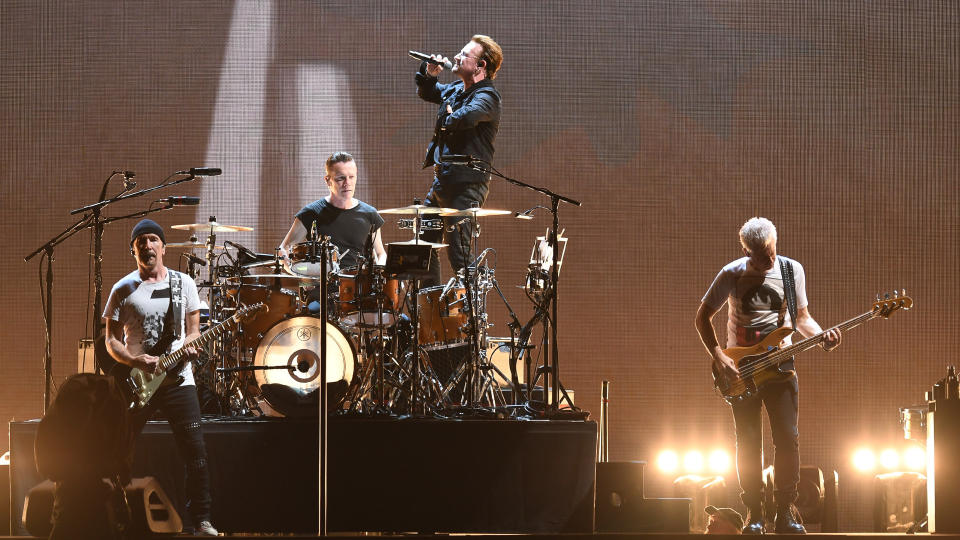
(293, 346)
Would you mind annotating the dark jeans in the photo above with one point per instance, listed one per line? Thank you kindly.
(180, 406)
(781, 401)
(461, 197)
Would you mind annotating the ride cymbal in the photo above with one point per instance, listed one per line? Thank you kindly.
(478, 212)
(416, 209)
(211, 226)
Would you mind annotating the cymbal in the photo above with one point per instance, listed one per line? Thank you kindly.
(416, 242)
(284, 279)
(415, 209)
(211, 226)
(478, 212)
(190, 245)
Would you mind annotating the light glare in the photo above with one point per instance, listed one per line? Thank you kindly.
(864, 460)
(889, 459)
(719, 462)
(915, 458)
(668, 461)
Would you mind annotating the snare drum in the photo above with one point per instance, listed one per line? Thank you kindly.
(358, 297)
(282, 303)
(292, 349)
(442, 320)
(305, 259)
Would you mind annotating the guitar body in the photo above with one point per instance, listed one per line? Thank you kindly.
(752, 376)
(139, 386)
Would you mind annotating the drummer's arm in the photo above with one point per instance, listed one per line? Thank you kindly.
(296, 234)
(379, 254)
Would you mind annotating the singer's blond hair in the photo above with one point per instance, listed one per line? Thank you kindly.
(492, 54)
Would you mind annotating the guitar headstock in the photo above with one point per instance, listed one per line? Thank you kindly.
(891, 302)
(247, 312)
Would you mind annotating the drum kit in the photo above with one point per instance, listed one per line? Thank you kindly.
(392, 347)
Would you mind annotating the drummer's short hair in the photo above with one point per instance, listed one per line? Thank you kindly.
(337, 157)
(756, 232)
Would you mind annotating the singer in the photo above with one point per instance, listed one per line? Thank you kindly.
(467, 123)
(349, 222)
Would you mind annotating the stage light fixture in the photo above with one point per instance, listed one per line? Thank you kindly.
(915, 459)
(864, 460)
(719, 461)
(693, 461)
(889, 459)
(668, 461)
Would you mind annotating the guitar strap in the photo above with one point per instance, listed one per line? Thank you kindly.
(173, 320)
(789, 290)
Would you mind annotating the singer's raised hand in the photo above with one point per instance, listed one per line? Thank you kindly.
(433, 69)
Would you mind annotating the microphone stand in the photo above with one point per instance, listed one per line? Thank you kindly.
(551, 377)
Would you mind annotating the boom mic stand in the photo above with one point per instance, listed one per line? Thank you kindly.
(551, 377)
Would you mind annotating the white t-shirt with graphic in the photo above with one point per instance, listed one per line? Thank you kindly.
(141, 308)
(755, 302)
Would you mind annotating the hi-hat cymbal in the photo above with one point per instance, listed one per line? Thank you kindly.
(211, 226)
(190, 245)
(415, 209)
(416, 242)
(478, 212)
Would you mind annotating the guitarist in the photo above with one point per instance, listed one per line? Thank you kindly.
(757, 303)
(145, 320)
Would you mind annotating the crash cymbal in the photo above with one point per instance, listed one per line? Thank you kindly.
(211, 226)
(478, 212)
(418, 243)
(190, 245)
(415, 209)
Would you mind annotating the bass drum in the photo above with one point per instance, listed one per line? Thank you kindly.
(291, 351)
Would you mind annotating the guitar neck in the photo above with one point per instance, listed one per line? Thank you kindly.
(785, 353)
(169, 360)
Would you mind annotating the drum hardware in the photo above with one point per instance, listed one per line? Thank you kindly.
(425, 224)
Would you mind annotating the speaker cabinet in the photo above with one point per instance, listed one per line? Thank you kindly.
(621, 506)
(151, 511)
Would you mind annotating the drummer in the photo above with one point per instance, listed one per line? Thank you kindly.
(349, 222)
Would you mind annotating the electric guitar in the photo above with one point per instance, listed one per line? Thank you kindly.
(139, 386)
(758, 363)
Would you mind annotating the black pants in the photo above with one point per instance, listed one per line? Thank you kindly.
(179, 404)
(782, 403)
(461, 197)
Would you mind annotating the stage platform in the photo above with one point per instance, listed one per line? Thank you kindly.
(603, 536)
(386, 475)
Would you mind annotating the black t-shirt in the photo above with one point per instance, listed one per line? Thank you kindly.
(349, 229)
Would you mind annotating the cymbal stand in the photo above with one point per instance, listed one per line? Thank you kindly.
(551, 367)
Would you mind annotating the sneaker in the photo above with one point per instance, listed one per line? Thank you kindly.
(205, 528)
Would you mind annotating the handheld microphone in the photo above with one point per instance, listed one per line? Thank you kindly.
(205, 171)
(181, 201)
(458, 158)
(426, 58)
(241, 249)
(194, 259)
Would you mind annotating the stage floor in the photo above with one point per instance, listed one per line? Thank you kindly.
(387, 475)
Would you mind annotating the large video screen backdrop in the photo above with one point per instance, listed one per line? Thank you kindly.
(673, 122)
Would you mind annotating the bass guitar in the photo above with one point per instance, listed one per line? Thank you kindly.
(139, 386)
(758, 363)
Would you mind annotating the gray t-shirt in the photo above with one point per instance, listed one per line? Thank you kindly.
(755, 302)
(141, 307)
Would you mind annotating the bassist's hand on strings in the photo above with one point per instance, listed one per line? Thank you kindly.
(831, 340)
(725, 366)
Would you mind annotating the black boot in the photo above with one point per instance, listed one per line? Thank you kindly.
(754, 521)
(785, 522)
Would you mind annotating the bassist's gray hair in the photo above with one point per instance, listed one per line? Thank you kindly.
(756, 232)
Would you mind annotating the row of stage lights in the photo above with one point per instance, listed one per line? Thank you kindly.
(694, 462)
(719, 462)
(869, 460)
